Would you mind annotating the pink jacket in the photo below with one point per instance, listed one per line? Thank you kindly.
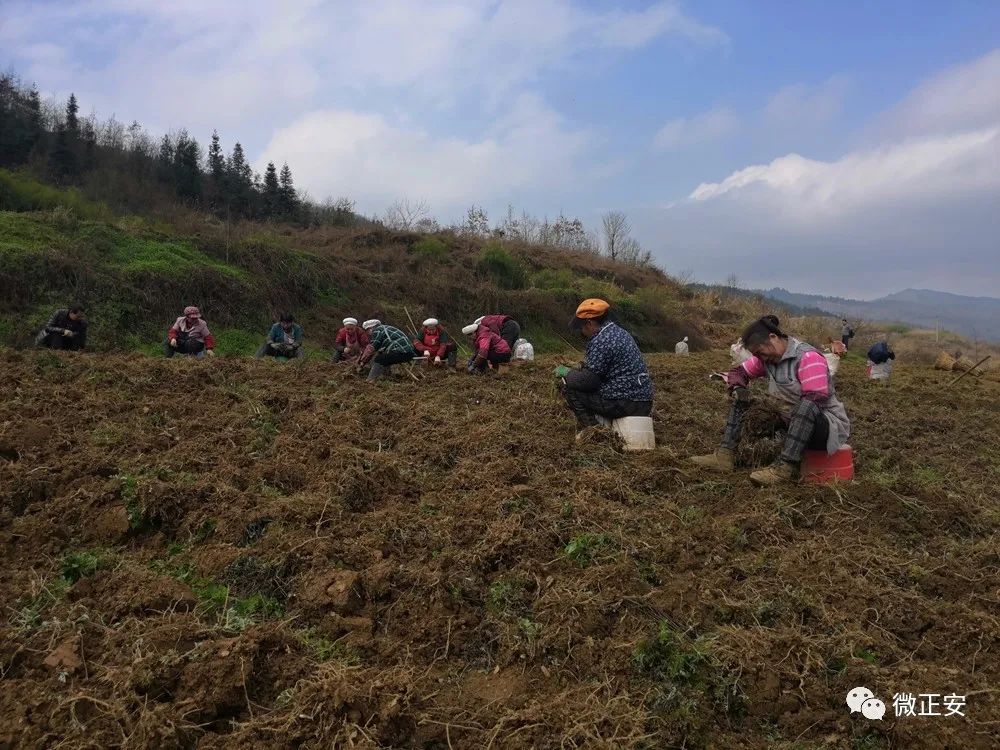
(487, 341)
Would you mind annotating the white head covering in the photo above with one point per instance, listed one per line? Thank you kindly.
(479, 319)
(471, 328)
(350, 321)
(369, 324)
(431, 322)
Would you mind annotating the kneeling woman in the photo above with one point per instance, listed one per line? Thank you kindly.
(799, 377)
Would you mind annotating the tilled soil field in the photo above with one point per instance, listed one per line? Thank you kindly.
(246, 554)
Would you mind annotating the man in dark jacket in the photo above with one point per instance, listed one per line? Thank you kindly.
(284, 340)
(614, 381)
(66, 329)
(846, 332)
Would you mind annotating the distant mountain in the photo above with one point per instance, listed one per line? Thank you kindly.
(975, 317)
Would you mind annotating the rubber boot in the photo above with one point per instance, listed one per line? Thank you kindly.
(721, 460)
(376, 372)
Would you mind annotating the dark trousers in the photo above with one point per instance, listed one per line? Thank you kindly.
(284, 350)
(388, 359)
(807, 428)
(845, 340)
(587, 406)
(57, 341)
(510, 332)
(184, 346)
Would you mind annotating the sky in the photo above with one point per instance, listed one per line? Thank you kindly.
(850, 149)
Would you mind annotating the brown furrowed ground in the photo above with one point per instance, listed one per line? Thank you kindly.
(235, 553)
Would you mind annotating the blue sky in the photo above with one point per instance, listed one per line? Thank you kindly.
(845, 148)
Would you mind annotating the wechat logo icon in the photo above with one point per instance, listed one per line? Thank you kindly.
(863, 700)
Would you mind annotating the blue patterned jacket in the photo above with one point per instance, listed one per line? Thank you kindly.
(614, 357)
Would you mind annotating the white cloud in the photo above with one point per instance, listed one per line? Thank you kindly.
(809, 189)
(229, 57)
(703, 128)
(962, 97)
(344, 152)
(799, 104)
(635, 29)
(917, 208)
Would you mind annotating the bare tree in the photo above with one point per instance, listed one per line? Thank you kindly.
(403, 214)
(616, 229)
(685, 276)
(477, 223)
(631, 252)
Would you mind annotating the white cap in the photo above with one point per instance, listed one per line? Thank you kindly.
(479, 319)
(431, 322)
(350, 321)
(471, 328)
(369, 324)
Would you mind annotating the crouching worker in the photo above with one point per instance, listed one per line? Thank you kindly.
(284, 340)
(351, 341)
(487, 349)
(503, 326)
(614, 380)
(189, 335)
(880, 358)
(388, 346)
(798, 377)
(434, 343)
(66, 329)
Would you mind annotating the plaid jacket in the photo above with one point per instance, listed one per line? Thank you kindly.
(389, 339)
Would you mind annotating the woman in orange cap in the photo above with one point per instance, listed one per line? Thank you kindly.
(614, 381)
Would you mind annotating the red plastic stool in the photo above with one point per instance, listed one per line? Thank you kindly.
(820, 468)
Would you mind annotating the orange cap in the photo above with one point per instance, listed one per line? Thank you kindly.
(592, 308)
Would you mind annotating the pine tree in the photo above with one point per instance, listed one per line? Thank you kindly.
(216, 161)
(72, 123)
(187, 167)
(271, 192)
(165, 160)
(239, 182)
(288, 199)
(88, 139)
(35, 116)
(62, 160)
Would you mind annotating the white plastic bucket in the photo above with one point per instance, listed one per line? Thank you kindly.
(636, 433)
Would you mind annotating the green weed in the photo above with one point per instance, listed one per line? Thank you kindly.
(323, 649)
(584, 549)
(503, 268)
(430, 248)
(687, 673)
(76, 565)
(504, 595)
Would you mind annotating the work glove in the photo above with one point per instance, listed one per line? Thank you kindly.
(274, 345)
(437, 360)
(471, 368)
(67, 332)
(561, 371)
(210, 352)
(173, 343)
(740, 394)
